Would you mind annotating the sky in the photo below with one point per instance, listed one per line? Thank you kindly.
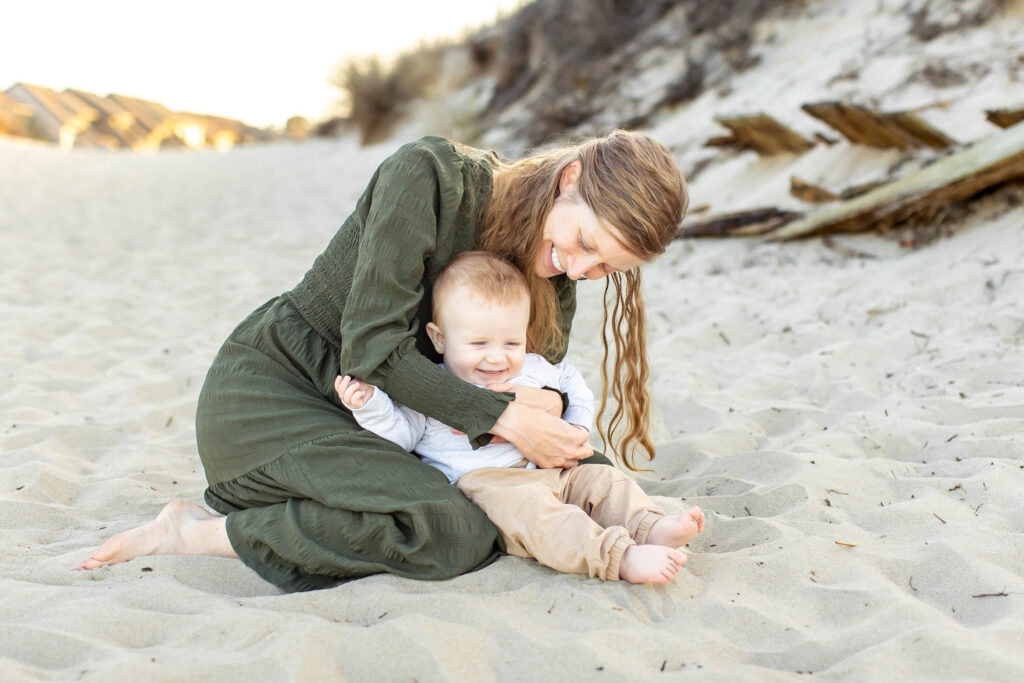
(261, 62)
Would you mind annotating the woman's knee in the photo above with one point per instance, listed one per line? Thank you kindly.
(462, 538)
(454, 515)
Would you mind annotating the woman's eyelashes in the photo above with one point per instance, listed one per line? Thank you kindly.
(583, 245)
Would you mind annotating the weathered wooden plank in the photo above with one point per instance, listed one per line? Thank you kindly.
(740, 223)
(920, 130)
(861, 188)
(761, 133)
(985, 164)
(858, 124)
(1004, 118)
(809, 192)
(721, 141)
(864, 126)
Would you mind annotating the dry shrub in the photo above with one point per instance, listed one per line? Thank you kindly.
(332, 127)
(376, 93)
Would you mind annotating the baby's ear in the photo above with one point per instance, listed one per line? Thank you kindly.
(436, 336)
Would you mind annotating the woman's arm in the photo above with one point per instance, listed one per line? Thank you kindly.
(546, 399)
(414, 212)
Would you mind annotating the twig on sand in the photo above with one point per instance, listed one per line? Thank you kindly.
(848, 545)
(938, 518)
(831, 243)
(910, 582)
(1000, 594)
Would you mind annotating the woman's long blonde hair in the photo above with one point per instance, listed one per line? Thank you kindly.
(631, 182)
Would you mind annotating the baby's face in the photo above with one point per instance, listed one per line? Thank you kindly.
(484, 343)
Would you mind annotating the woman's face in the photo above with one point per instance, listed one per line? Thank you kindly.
(578, 243)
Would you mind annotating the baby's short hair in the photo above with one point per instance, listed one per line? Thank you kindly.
(493, 278)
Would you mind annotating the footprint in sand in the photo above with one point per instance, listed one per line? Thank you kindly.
(46, 484)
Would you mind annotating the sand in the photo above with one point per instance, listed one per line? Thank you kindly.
(853, 427)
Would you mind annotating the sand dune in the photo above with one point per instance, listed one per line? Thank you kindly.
(853, 427)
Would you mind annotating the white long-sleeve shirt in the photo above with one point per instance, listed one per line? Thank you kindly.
(452, 453)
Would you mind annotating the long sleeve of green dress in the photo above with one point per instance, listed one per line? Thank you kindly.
(370, 291)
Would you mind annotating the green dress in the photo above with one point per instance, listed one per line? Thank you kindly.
(311, 498)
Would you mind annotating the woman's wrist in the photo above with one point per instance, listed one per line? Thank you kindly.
(562, 403)
(509, 423)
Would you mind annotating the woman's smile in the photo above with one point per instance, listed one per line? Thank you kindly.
(554, 260)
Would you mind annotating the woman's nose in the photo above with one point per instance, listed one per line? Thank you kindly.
(580, 265)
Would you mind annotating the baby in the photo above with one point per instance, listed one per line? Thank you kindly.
(590, 519)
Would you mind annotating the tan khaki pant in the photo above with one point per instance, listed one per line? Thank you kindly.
(578, 521)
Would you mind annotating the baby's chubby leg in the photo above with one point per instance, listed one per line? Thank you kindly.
(678, 530)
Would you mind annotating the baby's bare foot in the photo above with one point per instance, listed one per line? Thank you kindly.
(678, 530)
(170, 533)
(650, 564)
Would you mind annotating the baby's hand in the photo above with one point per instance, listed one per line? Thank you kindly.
(353, 393)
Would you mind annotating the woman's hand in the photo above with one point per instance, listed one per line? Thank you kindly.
(545, 440)
(533, 397)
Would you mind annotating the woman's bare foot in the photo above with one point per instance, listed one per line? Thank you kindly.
(678, 530)
(181, 528)
(650, 564)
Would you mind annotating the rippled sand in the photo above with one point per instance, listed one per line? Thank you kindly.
(854, 428)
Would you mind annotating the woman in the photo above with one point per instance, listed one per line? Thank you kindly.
(309, 499)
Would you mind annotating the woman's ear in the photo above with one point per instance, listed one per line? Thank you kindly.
(436, 337)
(570, 176)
